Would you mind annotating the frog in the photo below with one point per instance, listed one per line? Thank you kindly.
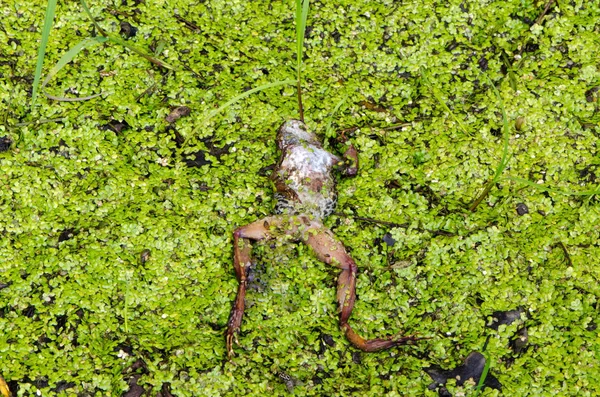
(305, 194)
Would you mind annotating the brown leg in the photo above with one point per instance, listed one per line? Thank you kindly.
(329, 250)
(242, 248)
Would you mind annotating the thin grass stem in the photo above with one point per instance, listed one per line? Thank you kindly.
(591, 192)
(50, 11)
(239, 98)
(117, 40)
(69, 55)
(329, 128)
(505, 159)
(438, 96)
(301, 16)
(484, 374)
(245, 95)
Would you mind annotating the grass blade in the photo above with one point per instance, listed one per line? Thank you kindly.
(69, 55)
(504, 160)
(141, 52)
(239, 98)
(301, 16)
(50, 11)
(65, 59)
(505, 134)
(438, 96)
(89, 13)
(484, 373)
(329, 128)
(591, 192)
(4, 390)
(125, 44)
(77, 99)
(247, 94)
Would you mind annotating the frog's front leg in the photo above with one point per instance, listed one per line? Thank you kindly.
(348, 164)
(329, 250)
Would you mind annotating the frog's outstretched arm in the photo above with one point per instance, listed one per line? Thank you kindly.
(327, 248)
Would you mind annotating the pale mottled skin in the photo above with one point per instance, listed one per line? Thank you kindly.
(305, 193)
(303, 178)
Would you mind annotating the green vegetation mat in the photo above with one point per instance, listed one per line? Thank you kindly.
(116, 225)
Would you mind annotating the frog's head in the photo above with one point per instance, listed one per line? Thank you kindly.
(294, 132)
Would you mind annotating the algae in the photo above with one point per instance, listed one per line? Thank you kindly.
(115, 255)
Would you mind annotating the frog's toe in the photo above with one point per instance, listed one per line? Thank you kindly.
(231, 338)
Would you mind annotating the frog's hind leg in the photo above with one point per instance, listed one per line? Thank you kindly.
(331, 251)
(242, 248)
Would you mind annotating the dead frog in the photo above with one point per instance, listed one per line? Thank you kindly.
(305, 193)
